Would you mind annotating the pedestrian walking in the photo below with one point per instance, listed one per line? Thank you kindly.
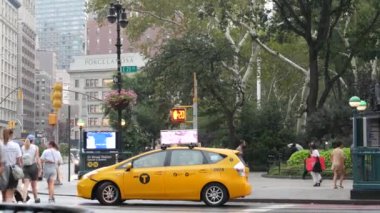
(241, 147)
(316, 171)
(51, 158)
(337, 164)
(31, 167)
(59, 179)
(12, 161)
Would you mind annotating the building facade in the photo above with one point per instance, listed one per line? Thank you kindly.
(91, 78)
(61, 27)
(45, 70)
(26, 63)
(101, 39)
(8, 58)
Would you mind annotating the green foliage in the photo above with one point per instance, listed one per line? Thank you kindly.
(298, 158)
(64, 149)
(264, 132)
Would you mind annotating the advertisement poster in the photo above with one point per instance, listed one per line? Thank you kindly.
(184, 136)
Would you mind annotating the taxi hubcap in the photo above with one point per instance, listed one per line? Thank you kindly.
(214, 194)
(110, 194)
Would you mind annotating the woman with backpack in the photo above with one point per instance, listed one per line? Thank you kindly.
(32, 167)
(51, 158)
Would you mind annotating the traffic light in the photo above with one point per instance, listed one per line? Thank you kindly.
(178, 115)
(56, 96)
(11, 124)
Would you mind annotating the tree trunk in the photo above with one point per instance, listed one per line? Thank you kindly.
(313, 85)
(302, 116)
(234, 140)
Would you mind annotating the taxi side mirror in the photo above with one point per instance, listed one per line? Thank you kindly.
(128, 167)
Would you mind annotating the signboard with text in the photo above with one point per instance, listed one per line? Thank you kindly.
(183, 136)
(98, 160)
(128, 69)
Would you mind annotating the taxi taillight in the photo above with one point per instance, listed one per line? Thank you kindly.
(240, 169)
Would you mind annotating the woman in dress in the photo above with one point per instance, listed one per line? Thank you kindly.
(51, 158)
(316, 172)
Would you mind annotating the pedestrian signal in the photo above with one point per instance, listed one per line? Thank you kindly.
(52, 119)
(178, 115)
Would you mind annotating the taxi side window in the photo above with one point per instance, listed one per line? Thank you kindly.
(186, 157)
(151, 160)
(213, 157)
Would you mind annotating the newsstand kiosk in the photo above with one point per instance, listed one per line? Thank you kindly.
(365, 153)
(98, 149)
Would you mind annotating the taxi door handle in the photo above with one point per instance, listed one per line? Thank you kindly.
(158, 173)
(203, 171)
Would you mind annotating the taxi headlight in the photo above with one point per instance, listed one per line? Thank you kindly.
(88, 175)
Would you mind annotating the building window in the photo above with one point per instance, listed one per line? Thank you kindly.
(106, 122)
(76, 83)
(76, 96)
(92, 95)
(107, 82)
(91, 82)
(93, 122)
(93, 109)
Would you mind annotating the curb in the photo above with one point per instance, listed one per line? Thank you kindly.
(304, 201)
(296, 177)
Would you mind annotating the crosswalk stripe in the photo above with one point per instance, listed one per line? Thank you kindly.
(268, 208)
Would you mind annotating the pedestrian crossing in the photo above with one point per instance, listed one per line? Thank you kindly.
(268, 208)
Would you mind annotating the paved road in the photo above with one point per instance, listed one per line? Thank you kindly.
(198, 207)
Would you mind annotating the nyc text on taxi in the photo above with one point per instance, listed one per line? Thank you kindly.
(211, 175)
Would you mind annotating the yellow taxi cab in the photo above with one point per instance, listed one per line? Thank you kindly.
(211, 175)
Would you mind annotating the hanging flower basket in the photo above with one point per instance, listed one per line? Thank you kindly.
(116, 101)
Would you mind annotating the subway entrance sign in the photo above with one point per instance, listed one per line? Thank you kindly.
(128, 69)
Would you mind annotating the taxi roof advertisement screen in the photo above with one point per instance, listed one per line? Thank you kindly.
(184, 136)
(100, 140)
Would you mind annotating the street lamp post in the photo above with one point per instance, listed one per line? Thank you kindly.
(358, 149)
(117, 14)
(80, 124)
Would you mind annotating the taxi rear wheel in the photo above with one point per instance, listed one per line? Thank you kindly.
(108, 194)
(214, 194)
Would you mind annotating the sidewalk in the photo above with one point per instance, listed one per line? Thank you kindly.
(265, 190)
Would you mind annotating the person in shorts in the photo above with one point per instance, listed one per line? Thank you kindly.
(51, 158)
(337, 164)
(31, 168)
(12, 156)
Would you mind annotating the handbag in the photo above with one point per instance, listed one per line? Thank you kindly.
(17, 172)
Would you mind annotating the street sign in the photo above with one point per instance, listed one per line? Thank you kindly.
(128, 69)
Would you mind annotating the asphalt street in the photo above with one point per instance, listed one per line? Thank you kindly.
(199, 207)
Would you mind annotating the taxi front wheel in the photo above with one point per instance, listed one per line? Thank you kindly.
(214, 194)
(108, 194)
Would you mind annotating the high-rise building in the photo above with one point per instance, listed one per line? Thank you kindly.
(26, 64)
(8, 62)
(61, 27)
